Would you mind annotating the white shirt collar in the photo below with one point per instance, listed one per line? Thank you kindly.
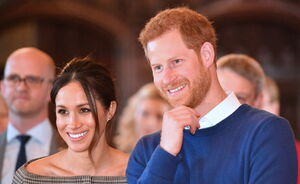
(42, 132)
(220, 112)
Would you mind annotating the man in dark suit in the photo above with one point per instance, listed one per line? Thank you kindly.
(26, 85)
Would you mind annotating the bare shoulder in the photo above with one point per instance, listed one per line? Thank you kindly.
(121, 160)
(45, 166)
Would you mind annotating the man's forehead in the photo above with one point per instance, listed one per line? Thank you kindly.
(151, 46)
(25, 68)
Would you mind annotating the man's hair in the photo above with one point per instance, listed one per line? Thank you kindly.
(244, 66)
(194, 28)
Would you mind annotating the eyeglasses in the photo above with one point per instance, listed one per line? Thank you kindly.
(31, 81)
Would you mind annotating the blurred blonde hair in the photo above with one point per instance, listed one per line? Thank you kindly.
(272, 89)
(271, 98)
(126, 134)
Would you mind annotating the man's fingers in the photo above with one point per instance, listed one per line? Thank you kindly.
(192, 130)
(193, 125)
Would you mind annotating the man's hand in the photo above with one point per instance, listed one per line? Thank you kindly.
(173, 124)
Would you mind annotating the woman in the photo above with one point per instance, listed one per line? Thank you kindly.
(142, 115)
(85, 102)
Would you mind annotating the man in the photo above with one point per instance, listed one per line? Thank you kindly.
(28, 76)
(242, 75)
(231, 143)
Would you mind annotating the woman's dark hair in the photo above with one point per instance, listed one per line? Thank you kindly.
(97, 84)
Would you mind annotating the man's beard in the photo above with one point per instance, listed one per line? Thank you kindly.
(197, 92)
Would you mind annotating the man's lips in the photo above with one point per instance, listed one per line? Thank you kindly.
(176, 89)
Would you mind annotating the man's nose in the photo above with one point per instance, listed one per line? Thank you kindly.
(168, 76)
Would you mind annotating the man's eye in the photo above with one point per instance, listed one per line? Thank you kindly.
(157, 68)
(178, 61)
(85, 110)
(13, 78)
(33, 79)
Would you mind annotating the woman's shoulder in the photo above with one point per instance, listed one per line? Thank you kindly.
(120, 162)
(34, 171)
(45, 166)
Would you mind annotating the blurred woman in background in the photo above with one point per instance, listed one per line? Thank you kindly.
(142, 115)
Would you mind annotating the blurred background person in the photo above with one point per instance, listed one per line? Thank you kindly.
(271, 99)
(242, 75)
(245, 77)
(271, 103)
(85, 103)
(28, 77)
(3, 114)
(142, 115)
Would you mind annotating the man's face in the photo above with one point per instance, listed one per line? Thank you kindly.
(177, 71)
(22, 98)
(242, 87)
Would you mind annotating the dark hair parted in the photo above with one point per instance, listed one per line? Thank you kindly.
(97, 84)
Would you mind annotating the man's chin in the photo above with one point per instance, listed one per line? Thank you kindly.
(22, 112)
(177, 102)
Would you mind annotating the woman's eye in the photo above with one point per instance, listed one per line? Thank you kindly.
(145, 114)
(85, 110)
(61, 111)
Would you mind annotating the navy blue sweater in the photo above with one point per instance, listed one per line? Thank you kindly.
(249, 146)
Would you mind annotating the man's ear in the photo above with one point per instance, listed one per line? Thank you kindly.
(111, 110)
(49, 88)
(207, 54)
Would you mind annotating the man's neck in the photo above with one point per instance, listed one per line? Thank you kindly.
(214, 96)
(24, 123)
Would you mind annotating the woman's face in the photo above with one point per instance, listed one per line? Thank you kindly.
(74, 119)
(149, 114)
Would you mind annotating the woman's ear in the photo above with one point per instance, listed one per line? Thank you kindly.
(111, 110)
(207, 54)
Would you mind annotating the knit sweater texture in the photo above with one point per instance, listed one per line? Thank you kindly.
(250, 146)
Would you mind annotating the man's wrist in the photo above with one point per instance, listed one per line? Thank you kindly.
(174, 153)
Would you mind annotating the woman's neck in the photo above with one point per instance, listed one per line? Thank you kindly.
(90, 162)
